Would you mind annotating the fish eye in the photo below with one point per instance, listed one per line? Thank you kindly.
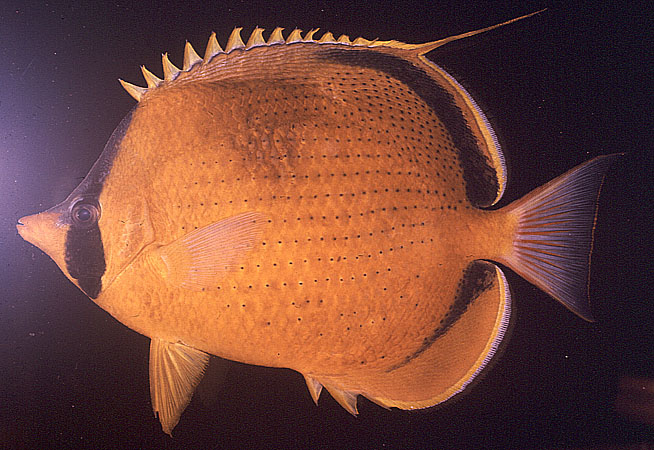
(85, 214)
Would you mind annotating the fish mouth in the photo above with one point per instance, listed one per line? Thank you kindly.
(30, 227)
(21, 226)
(43, 231)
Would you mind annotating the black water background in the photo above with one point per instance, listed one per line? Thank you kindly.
(560, 88)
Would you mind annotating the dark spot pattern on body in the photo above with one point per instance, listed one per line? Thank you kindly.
(477, 278)
(480, 178)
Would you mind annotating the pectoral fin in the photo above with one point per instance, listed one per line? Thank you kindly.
(198, 260)
(175, 371)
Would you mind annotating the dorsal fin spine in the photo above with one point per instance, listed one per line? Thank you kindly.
(327, 38)
(361, 41)
(235, 40)
(213, 48)
(133, 90)
(276, 37)
(344, 39)
(151, 79)
(169, 69)
(309, 36)
(295, 36)
(256, 39)
(190, 57)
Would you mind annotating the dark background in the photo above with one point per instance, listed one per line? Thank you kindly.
(561, 87)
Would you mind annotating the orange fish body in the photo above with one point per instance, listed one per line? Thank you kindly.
(315, 205)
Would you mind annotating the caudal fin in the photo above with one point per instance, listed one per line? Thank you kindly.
(554, 237)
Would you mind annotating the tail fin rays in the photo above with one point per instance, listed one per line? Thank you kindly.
(554, 237)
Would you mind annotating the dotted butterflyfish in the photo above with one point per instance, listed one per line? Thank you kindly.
(317, 204)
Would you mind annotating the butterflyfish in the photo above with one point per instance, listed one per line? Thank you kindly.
(319, 204)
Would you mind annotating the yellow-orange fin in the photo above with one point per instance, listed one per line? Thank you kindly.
(429, 46)
(175, 371)
(347, 399)
(169, 69)
(315, 388)
(234, 41)
(191, 57)
(344, 39)
(276, 37)
(295, 36)
(554, 238)
(256, 38)
(198, 260)
(151, 79)
(456, 353)
(309, 36)
(213, 48)
(135, 91)
(327, 38)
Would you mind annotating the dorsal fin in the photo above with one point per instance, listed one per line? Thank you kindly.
(235, 40)
(150, 78)
(344, 39)
(276, 37)
(256, 39)
(327, 37)
(429, 46)
(295, 36)
(309, 36)
(213, 48)
(190, 57)
(169, 69)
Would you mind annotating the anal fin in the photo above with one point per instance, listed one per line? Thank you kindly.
(456, 353)
(175, 371)
(315, 388)
(347, 399)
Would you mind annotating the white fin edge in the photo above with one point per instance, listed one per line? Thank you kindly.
(488, 134)
(493, 345)
(502, 323)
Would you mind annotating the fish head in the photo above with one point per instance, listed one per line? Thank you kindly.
(59, 231)
(98, 230)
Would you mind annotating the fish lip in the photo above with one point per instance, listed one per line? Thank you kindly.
(21, 228)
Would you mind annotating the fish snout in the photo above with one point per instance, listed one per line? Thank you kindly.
(23, 226)
(43, 230)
